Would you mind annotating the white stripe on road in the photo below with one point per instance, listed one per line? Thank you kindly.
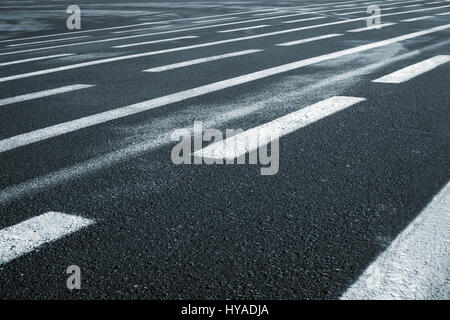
(35, 59)
(292, 43)
(66, 127)
(364, 11)
(26, 236)
(77, 32)
(255, 138)
(414, 70)
(242, 29)
(416, 266)
(375, 26)
(45, 41)
(200, 60)
(306, 19)
(214, 20)
(41, 94)
(444, 14)
(154, 41)
(416, 19)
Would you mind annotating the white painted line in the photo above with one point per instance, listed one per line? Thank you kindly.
(77, 32)
(35, 59)
(66, 127)
(443, 14)
(269, 13)
(45, 41)
(200, 60)
(242, 29)
(154, 41)
(306, 19)
(416, 19)
(365, 11)
(414, 70)
(416, 266)
(214, 20)
(28, 235)
(255, 138)
(41, 94)
(375, 26)
(292, 43)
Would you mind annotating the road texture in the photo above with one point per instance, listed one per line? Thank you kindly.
(359, 207)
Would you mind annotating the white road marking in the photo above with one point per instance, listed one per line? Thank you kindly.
(250, 140)
(66, 127)
(375, 26)
(41, 94)
(35, 59)
(200, 60)
(268, 13)
(365, 11)
(242, 29)
(214, 20)
(414, 70)
(416, 266)
(77, 32)
(154, 41)
(26, 236)
(443, 14)
(306, 19)
(292, 43)
(416, 19)
(45, 41)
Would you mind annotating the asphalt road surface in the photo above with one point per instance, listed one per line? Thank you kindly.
(359, 206)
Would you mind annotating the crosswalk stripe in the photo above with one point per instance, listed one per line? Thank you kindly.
(201, 60)
(214, 20)
(414, 70)
(292, 43)
(45, 41)
(242, 29)
(416, 265)
(154, 41)
(416, 19)
(41, 94)
(66, 127)
(77, 32)
(257, 137)
(35, 59)
(306, 19)
(26, 236)
(375, 26)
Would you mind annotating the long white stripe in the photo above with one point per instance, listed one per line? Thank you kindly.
(292, 43)
(154, 41)
(26, 236)
(414, 70)
(35, 59)
(66, 127)
(77, 32)
(416, 19)
(41, 94)
(200, 60)
(45, 41)
(242, 29)
(375, 26)
(443, 14)
(306, 19)
(416, 266)
(255, 138)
